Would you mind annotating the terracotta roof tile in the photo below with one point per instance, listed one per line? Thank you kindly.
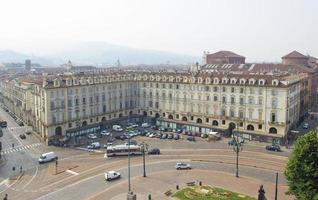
(295, 54)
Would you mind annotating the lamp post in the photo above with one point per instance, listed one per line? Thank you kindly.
(144, 148)
(130, 195)
(237, 147)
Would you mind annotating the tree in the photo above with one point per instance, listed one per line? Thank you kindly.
(302, 168)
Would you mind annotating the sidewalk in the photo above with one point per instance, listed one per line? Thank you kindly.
(157, 184)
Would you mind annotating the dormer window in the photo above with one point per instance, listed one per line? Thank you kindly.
(56, 83)
(207, 80)
(233, 80)
(164, 78)
(242, 81)
(275, 82)
(216, 81)
(185, 79)
(224, 80)
(199, 80)
(251, 81)
(261, 82)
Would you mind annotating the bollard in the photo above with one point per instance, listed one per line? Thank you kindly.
(177, 187)
(149, 197)
(200, 183)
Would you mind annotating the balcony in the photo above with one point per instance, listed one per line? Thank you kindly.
(276, 123)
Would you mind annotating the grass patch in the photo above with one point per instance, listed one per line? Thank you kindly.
(209, 193)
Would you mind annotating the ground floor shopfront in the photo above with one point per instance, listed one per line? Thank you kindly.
(204, 128)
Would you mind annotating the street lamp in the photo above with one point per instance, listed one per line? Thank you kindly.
(130, 195)
(144, 148)
(237, 147)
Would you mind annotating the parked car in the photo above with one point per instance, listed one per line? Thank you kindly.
(92, 136)
(28, 132)
(164, 136)
(176, 137)
(131, 142)
(158, 135)
(145, 125)
(162, 129)
(170, 136)
(111, 175)
(117, 128)
(47, 157)
(182, 166)
(105, 133)
(273, 147)
(154, 151)
(22, 136)
(94, 145)
(178, 130)
(191, 138)
(305, 126)
(118, 137)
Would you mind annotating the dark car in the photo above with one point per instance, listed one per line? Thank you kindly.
(22, 136)
(154, 151)
(231, 142)
(117, 137)
(123, 137)
(191, 138)
(273, 148)
(178, 130)
(158, 135)
(176, 137)
(164, 136)
(170, 136)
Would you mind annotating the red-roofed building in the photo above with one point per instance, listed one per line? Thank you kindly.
(223, 57)
(295, 58)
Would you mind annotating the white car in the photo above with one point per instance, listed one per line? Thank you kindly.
(182, 166)
(105, 133)
(47, 157)
(111, 175)
(145, 125)
(92, 136)
(305, 126)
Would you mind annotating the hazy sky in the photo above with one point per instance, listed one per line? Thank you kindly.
(261, 30)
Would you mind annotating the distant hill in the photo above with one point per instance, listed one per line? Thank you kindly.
(104, 53)
(94, 53)
(7, 56)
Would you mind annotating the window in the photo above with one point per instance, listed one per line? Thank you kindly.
(207, 88)
(223, 122)
(232, 100)
(260, 126)
(76, 101)
(177, 86)
(207, 120)
(170, 86)
(251, 100)
(251, 90)
(70, 125)
(232, 89)
(150, 104)
(273, 117)
(274, 103)
(260, 115)
(69, 103)
(241, 90)
(191, 118)
(223, 113)
(260, 91)
(208, 98)
(215, 98)
(223, 89)
(241, 100)
(163, 85)
(260, 100)
(223, 99)
(231, 113)
(241, 124)
(52, 105)
(215, 89)
(177, 116)
(241, 114)
(104, 108)
(84, 100)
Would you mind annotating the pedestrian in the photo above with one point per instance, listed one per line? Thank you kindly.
(5, 197)
(12, 145)
(20, 169)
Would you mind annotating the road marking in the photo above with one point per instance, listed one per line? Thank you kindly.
(36, 172)
(20, 148)
(72, 172)
(9, 129)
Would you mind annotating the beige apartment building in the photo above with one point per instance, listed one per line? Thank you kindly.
(259, 106)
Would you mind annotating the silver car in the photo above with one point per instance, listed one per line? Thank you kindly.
(182, 166)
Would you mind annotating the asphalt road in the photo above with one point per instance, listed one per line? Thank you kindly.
(24, 153)
(95, 184)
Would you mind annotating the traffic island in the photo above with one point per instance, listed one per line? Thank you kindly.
(208, 193)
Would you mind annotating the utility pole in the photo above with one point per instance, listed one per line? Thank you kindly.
(130, 195)
(144, 146)
(238, 146)
(276, 189)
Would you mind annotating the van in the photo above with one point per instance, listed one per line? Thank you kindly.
(145, 125)
(94, 145)
(117, 128)
(47, 157)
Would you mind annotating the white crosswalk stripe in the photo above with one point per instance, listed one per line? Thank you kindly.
(20, 148)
